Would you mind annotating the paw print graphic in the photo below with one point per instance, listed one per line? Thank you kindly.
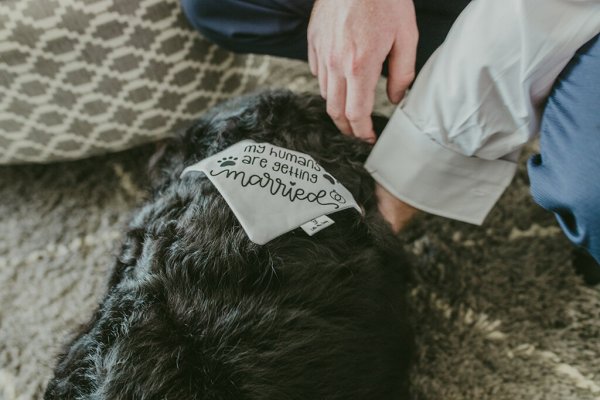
(227, 161)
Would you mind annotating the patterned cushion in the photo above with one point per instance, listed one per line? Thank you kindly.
(82, 77)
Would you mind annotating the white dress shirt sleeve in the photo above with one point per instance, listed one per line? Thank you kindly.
(450, 148)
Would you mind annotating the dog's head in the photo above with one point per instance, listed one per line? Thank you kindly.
(194, 310)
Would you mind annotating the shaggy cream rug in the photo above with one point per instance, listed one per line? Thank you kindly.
(499, 312)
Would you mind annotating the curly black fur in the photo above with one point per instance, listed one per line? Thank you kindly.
(194, 310)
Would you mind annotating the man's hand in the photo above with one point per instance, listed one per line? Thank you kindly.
(348, 41)
(396, 212)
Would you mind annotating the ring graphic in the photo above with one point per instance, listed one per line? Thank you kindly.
(337, 197)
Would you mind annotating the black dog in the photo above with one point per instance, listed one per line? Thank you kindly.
(194, 310)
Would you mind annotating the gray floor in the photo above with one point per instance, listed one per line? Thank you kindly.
(499, 313)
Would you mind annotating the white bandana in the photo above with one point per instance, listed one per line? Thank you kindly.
(272, 190)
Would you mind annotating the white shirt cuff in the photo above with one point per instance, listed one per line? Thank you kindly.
(421, 172)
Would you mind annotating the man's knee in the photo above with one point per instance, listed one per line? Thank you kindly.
(573, 196)
(207, 17)
(257, 26)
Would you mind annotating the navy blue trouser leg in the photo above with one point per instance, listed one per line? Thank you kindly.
(274, 27)
(278, 27)
(565, 176)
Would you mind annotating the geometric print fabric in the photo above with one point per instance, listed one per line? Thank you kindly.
(83, 77)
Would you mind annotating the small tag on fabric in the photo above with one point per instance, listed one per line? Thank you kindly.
(318, 224)
(273, 190)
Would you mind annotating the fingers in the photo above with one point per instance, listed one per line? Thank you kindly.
(360, 99)
(340, 104)
(336, 102)
(401, 72)
(322, 77)
(401, 65)
(317, 67)
(312, 60)
(350, 101)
